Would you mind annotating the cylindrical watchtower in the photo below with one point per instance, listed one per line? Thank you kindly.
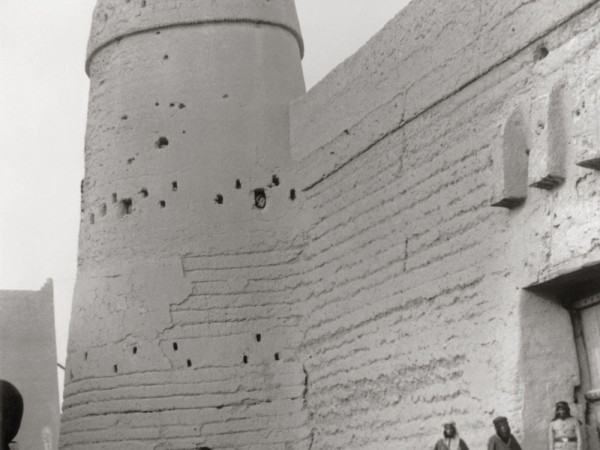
(183, 331)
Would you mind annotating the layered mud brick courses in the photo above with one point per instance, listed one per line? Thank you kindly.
(261, 268)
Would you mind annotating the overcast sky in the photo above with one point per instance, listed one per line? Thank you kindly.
(43, 100)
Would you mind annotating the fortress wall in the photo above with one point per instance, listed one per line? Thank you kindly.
(413, 300)
(28, 361)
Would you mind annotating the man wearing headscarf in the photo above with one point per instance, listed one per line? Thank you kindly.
(451, 440)
(564, 432)
(503, 439)
(11, 413)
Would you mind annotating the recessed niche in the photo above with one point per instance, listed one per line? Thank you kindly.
(276, 356)
(171, 105)
(174, 184)
(238, 184)
(260, 198)
(144, 192)
(103, 209)
(189, 363)
(219, 199)
(116, 368)
(175, 346)
(258, 338)
(162, 204)
(134, 350)
(162, 142)
(275, 180)
(124, 117)
(293, 194)
(85, 356)
(245, 359)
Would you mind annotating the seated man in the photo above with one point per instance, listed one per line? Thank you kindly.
(11, 413)
(451, 440)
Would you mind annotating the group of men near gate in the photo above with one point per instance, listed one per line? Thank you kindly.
(564, 433)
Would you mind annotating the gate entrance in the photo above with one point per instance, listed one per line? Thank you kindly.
(586, 324)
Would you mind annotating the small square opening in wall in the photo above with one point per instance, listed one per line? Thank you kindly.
(125, 206)
(174, 184)
(162, 142)
(260, 198)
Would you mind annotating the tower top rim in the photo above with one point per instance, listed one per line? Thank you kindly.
(115, 19)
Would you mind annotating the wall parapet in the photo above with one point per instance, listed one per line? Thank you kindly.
(438, 48)
(115, 19)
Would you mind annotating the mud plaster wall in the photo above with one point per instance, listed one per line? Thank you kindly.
(414, 304)
(378, 292)
(28, 361)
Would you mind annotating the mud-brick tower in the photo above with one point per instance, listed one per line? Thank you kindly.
(183, 330)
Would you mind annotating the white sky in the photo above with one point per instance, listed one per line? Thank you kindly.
(43, 101)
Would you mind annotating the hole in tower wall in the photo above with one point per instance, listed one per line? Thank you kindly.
(144, 192)
(189, 363)
(114, 198)
(219, 199)
(276, 356)
(162, 203)
(124, 117)
(166, 57)
(125, 207)
(275, 180)
(162, 142)
(260, 198)
(238, 184)
(245, 359)
(174, 184)
(134, 350)
(92, 219)
(293, 194)
(103, 210)
(116, 368)
(85, 356)
(175, 346)
(258, 338)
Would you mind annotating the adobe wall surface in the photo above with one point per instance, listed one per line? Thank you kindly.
(413, 301)
(28, 361)
(412, 196)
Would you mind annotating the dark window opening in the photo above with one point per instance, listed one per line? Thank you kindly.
(260, 198)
